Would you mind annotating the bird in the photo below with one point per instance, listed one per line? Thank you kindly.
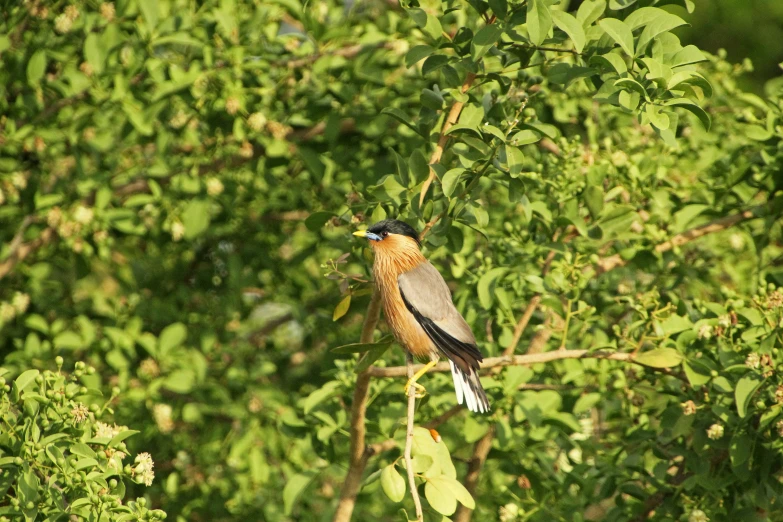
(420, 313)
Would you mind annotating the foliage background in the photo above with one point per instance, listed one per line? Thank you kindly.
(178, 184)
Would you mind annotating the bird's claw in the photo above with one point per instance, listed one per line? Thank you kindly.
(418, 390)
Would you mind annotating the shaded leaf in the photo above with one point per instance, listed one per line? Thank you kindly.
(392, 483)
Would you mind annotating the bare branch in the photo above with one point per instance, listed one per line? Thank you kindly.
(451, 119)
(531, 307)
(25, 249)
(440, 419)
(350, 51)
(480, 452)
(17, 240)
(509, 360)
(359, 454)
(409, 440)
(718, 225)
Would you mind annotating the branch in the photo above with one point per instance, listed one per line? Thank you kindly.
(350, 51)
(359, 454)
(480, 452)
(25, 249)
(451, 119)
(17, 240)
(509, 360)
(615, 261)
(531, 307)
(409, 440)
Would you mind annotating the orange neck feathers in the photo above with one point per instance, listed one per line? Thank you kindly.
(395, 255)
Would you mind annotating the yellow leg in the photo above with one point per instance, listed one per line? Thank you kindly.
(419, 390)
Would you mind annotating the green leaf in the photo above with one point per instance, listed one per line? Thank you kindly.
(695, 377)
(499, 8)
(68, 340)
(611, 60)
(419, 167)
(688, 105)
(589, 11)
(370, 357)
(675, 323)
(740, 448)
(36, 67)
(94, 52)
(85, 463)
(294, 488)
(539, 21)
(362, 347)
(400, 116)
(392, 483)
(617, 5)
(484, 39)
(423, 444)
(149, 9)
(631, 85)
(571, 26)
(659, 358)
(427, 22)
(525, 137)
(321, 394)
(594, 200)
(36, 322)
(342, 307)
(514, 159)
(450, 180)
(440, 495)
(417, 54)
(586, 402)
(744, 391)
(82, 450)
(121, 436)
(315, 221)
(180, 381)
(660, 24)
(486, 297)
(757, 132)
(196, 218)
(620, 33)
(657, 118)
(171, 337)
(24, 380)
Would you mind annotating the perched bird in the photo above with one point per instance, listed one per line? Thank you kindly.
(419, 310)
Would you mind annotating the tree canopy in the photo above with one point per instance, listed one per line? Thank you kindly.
(179, 182)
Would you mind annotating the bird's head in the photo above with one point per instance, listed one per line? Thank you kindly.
(390, 232)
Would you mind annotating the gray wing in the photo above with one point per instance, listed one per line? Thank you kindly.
(428, 298)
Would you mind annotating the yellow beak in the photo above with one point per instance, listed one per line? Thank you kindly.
(360, 233)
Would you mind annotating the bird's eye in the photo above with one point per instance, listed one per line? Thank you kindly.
(384, 234)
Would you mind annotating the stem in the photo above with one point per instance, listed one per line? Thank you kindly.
(359, 454)
(565, 325)
(480, 452)
(409, 440)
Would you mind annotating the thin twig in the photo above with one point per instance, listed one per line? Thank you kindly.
(443, 417)
(409, 440)
(358, 453)
(531, 307)
(509, 360)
